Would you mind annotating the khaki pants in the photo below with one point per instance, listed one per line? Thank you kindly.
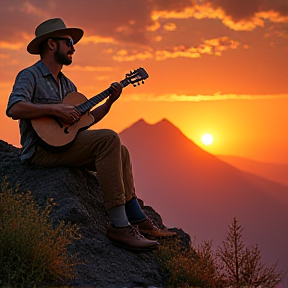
(101, 151)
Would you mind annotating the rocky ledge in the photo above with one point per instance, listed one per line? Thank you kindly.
(79, 201)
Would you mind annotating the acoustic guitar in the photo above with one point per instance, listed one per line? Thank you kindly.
(56, 135)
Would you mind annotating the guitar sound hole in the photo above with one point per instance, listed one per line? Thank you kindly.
(66, 130)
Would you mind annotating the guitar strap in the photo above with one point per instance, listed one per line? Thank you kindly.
(60, 89)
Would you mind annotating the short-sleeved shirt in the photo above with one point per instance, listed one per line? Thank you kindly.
(36, 84)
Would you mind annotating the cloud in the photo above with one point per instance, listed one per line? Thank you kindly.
(199, 98)
(97, 39)
(276, 31)
(247, 9)
(102, 19)
(4, 56)
(244, 15)
(90, 68)
(10, 46)
(21, 17)
(137, 22)
(154, 29)
(124, 56)
(29, 8)
(170, 26)
(214, 46)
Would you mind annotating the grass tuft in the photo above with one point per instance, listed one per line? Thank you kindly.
(33, 251)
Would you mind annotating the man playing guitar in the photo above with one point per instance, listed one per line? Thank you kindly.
(43, 96)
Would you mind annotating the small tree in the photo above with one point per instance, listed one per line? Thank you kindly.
(242, 265)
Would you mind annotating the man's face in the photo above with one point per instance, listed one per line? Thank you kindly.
(65, 50)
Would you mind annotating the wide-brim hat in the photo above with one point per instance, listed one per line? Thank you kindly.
(49, 28)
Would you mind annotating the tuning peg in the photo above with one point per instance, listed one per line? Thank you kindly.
(143, 82)
(134, 85)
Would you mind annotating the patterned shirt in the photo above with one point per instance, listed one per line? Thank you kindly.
(36, 84)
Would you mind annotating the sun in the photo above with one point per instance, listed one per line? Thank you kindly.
(207, 139)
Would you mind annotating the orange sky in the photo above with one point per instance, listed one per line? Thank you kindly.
(216, 66)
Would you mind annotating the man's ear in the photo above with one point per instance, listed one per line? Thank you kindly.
(51, 44)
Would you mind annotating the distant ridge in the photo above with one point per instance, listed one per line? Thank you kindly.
(270, 171)
(194, 188)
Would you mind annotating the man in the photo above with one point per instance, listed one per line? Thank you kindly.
(38, 92)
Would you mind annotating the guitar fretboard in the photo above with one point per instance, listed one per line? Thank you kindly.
(86, 106)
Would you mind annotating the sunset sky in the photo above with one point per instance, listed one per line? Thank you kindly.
(215, 66)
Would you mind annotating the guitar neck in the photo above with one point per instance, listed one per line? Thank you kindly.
(86, 106)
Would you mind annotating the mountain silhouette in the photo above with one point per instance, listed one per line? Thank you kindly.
(195, 190)
(272, 171)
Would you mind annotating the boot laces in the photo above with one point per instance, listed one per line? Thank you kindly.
(135, 232)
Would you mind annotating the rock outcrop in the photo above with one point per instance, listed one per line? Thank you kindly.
(79, 200)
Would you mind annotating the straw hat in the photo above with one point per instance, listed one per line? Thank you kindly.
(49, 28)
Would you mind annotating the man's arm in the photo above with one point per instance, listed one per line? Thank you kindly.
(28, 110)
(99, 112)
(65, 112)
(20, 105)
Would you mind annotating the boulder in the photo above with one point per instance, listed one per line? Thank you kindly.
(79, 200)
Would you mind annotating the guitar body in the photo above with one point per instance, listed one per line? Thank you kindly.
(56, 134)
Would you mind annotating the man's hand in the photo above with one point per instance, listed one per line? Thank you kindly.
(66, 112)
(116, 91)
(99, 112)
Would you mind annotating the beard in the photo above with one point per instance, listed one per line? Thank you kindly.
(61, 58)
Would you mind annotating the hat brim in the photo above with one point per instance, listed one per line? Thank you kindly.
(75, 33)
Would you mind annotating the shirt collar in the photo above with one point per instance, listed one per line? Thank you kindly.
(44, 69)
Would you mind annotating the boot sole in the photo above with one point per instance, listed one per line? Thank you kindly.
(154, 237)
(133, 249)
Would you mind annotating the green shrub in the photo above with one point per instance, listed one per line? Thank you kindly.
(188, 267)
(32, 249)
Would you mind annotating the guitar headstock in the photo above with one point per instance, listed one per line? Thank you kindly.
(136, 76)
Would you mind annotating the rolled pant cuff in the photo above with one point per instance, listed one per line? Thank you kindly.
(113, 203)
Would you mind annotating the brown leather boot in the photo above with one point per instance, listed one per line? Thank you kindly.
(150, 231)
(129, 238)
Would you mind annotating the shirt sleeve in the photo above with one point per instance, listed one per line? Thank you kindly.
(23, 89)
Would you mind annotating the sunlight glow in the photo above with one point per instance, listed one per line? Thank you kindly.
(207, 139)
